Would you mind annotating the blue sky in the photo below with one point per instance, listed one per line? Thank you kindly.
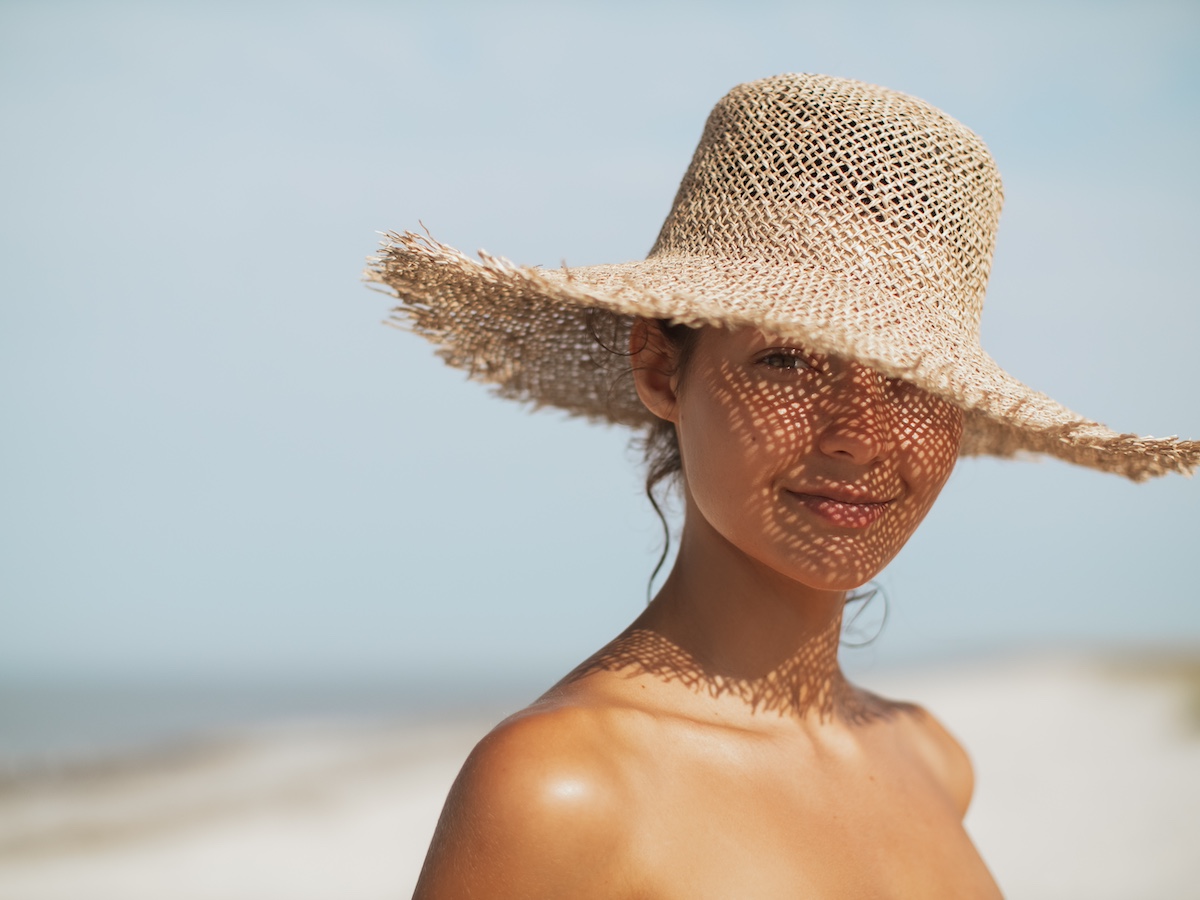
(216, 459)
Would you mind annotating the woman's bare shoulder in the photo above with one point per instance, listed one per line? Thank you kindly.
(937, 749)
(537, 809)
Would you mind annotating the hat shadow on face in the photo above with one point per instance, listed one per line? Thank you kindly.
(833, 463)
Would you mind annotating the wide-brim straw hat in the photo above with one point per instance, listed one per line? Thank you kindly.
(853, 219)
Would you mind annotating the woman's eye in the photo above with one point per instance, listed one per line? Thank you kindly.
(785, 359)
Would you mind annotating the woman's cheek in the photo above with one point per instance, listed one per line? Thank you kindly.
(929, 448)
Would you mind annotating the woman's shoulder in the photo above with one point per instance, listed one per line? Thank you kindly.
(538, 807)
(561, 755)
(934, 748)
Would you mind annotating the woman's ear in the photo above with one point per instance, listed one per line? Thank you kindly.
(654, 368)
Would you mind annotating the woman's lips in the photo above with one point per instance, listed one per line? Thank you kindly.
(845, 513)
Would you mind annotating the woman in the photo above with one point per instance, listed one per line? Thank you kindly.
(803, 346)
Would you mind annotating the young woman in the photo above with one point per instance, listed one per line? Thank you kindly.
(802, 344)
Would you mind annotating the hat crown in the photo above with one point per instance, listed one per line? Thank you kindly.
(871, 184)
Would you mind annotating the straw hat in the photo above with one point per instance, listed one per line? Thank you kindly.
(853, 219)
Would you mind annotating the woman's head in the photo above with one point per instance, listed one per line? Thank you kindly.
(815, 466)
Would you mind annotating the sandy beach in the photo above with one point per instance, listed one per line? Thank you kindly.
(1088, 786)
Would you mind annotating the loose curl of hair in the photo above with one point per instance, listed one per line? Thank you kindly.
(660, 443)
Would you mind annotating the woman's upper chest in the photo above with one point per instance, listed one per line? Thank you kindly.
(728, 815)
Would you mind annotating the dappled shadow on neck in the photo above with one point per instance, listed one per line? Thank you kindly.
(804, 685)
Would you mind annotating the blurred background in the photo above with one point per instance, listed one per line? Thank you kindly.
(230, 498)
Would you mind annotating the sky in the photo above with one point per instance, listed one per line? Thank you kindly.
(217, 460)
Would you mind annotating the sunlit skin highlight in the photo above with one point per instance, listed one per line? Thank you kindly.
(714, 749)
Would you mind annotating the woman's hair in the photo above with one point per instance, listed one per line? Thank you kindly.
(660, 444)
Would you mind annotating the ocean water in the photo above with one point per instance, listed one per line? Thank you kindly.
(51, 723)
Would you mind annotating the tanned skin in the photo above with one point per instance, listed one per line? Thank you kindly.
(714, 750)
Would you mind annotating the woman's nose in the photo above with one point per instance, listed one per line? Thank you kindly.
(858, 423)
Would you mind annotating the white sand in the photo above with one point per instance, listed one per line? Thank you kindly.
(1088, 787)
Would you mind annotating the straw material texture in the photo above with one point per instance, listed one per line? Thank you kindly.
(853, 219)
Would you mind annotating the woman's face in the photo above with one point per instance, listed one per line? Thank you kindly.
(817, 467)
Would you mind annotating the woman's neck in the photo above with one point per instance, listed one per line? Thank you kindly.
(748, 632)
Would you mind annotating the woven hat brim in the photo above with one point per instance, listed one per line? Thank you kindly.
(560, 338)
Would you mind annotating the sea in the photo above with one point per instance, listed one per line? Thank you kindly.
(51, 723)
